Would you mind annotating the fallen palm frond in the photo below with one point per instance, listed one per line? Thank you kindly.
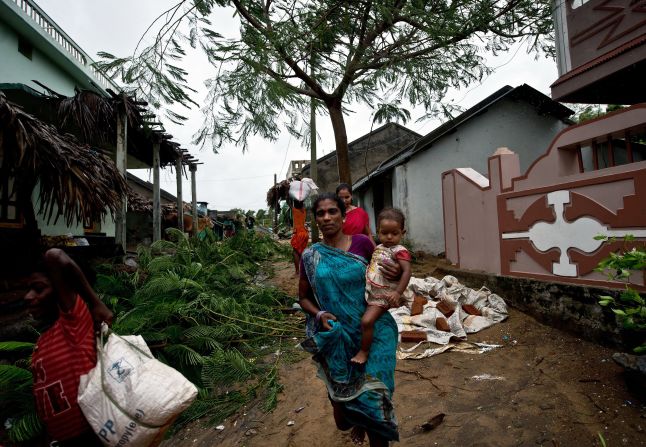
(197, 306)
(17, 411)
(75, 181)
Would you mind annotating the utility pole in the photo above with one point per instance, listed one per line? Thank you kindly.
(313, 166)
(275, 206)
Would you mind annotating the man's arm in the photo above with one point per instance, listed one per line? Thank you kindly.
(68, 280)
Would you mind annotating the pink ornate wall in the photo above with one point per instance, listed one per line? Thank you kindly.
(542, 224)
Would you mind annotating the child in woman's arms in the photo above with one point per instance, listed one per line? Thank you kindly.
(382, 294)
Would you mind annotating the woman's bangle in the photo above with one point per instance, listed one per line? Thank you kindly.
(319, 314)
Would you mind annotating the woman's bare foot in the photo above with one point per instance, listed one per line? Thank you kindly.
(358, 434)
(360, 358)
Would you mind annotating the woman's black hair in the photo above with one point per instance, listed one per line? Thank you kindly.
(343, 186)
(329, 196)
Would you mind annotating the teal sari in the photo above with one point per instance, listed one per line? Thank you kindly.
(338, 280)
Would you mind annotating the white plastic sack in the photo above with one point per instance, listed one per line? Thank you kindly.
(130, 398)
(301, 189)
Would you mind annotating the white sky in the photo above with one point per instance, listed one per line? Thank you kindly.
(231, 179)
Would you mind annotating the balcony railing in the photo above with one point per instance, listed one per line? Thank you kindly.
(41, 19)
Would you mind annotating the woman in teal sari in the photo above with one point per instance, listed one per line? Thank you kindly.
(331, 292)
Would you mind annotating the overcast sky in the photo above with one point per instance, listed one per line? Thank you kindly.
(231, 179)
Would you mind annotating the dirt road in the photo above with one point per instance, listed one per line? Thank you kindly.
(542, 388)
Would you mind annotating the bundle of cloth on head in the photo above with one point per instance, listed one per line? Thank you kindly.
(301, 189)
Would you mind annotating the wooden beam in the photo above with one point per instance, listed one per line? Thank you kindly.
(156, 194)
(121, 160)
(180, 203)
(193, 170)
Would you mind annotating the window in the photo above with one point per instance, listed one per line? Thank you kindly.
(612, 151)
(24, 47)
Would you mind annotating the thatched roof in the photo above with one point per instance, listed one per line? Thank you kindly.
(78, 180)
(139, 204)
(92, 118)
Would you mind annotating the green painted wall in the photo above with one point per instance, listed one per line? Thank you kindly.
(17, 68)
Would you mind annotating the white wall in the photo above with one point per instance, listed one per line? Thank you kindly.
(417, 185)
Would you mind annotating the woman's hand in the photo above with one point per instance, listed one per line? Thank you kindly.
(325, 320)
(391, 270)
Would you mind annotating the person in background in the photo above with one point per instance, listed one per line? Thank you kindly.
(65, 310)
(381, 293)
(356, 219)
(301, 236)
(332, 293)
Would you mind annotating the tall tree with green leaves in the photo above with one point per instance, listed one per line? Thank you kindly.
(338, 52)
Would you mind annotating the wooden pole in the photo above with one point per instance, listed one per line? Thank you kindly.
(121, 162)
(180, 202)
(156, 194)
(276, 206)
(193, 169)
(313, 165)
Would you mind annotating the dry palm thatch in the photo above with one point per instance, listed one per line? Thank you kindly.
(278, 192)
(90, 116)
(76, 181)
(93, 117)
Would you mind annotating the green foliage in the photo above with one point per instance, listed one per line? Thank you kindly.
(198, 307)
(17, 401)
(630, 307)
(590, 112)
(286, 52)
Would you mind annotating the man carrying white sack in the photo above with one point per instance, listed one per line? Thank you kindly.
(63, 305)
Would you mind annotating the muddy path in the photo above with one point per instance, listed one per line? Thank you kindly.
(543, 387)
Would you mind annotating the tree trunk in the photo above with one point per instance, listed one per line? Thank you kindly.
(341, 140)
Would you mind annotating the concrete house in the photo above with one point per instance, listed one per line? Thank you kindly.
(520, 118)
(41, 69)
(365, 153)
(540, 222)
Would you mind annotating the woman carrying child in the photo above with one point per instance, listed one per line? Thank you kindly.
(332, 292)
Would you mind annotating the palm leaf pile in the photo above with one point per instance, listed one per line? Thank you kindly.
(76, 180)
(196, 304)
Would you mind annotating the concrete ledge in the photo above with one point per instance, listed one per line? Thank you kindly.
(568, 307)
